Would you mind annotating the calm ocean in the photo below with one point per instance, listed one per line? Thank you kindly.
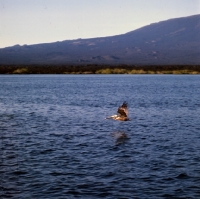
(55, 142)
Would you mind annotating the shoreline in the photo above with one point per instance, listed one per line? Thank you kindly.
(99, 69)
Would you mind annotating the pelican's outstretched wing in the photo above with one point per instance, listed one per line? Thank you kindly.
(123, 110)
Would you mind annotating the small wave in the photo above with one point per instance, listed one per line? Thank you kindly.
(46, 151)
(19, 172)
(182, 176)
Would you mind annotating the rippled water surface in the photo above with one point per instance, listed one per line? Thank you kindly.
(55, 142)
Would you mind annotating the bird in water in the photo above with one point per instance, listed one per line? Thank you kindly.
(122, 113)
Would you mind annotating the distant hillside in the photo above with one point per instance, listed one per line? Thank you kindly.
(175, 41)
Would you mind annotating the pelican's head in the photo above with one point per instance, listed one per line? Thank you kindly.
(112, 117)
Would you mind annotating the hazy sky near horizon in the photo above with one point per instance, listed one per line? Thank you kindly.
(43, 21)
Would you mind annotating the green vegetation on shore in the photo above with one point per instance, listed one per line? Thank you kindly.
(98, 69)
(141, 71)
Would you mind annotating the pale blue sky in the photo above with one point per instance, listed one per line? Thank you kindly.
(43, 21)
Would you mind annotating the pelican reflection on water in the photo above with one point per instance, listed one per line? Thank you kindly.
(122, 113)
(120, 137)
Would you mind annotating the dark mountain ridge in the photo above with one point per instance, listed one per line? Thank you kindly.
(175, 41)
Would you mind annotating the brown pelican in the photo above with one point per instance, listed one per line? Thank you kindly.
(122, 113)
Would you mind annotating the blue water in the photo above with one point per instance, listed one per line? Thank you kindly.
(55, 142)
